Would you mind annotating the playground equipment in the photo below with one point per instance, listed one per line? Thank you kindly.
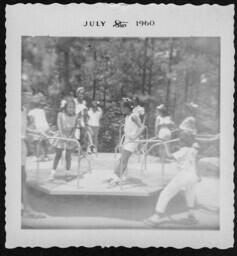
(94, 184)
(81, 156)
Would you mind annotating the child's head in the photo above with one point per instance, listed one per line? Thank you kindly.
(70, 107)
(136, 101)
(186, 139)
(126, 106)
(80, 93)
(162, 110)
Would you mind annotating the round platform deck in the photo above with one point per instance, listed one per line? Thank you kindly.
(141, 184)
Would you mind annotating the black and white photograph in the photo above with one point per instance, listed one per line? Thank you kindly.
(125, 135)
(120, 132)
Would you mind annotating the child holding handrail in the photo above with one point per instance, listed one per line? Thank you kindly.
(187, 177)
(66, 122)
(133, 128)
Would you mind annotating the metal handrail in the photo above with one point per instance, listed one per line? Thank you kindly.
(49, 137)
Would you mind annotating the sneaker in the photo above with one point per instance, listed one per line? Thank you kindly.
(154, 220)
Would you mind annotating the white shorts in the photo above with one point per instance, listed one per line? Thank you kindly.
(164, 134)
(130, 146)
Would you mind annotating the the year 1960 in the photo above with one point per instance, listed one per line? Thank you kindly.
(145, 23)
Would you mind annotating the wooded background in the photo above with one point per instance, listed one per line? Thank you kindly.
(172, 71)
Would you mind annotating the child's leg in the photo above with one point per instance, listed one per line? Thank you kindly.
(68, 159)
(190, 194)
(37, 148)
(121, 167)
(44, 145)
(96, 132)
(57, 157)
(169, 192)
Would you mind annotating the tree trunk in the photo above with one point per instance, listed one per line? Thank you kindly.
(186, 87)
(169, 72)
(94, 73)
(104, 98)
(150, 67)
(66, 70)
(144, 66)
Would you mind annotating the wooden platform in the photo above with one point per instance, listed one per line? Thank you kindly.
(139, 184)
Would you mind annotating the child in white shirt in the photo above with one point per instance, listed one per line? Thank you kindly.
(95, 114)
(133, 128)
(39, 123)
(189, 123)
(187, 178)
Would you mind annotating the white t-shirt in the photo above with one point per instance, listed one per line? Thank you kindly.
(40, 120)
(166, 120)
(94, 117)
(186, 159)
(130, 127)
(189, 124)
(80, 106)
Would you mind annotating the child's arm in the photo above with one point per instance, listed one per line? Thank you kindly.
(167, 151)
(141, 127)
(59, 124)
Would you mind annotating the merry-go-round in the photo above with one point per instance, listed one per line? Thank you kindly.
(146, 173)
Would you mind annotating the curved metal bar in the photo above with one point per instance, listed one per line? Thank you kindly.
(49, 137)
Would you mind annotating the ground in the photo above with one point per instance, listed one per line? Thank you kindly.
(108, 209)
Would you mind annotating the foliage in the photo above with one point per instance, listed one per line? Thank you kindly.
(172, 71)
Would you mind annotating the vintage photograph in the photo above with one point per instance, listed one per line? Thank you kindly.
(120, 133)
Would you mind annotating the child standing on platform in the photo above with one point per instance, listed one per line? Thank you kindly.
(82, 116)
(95, 114)
(133, 128)
(66, 123)
(27, 210)
(187, 178)
(189, 123)
(163, 128)
(39, 123)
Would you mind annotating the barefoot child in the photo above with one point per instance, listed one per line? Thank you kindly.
(66, 123)
(133, 128)
(186, 178)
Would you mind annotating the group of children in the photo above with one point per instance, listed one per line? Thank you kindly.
(185, 157)
(75, 119)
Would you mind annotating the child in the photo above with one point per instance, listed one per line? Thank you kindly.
(66, 123)
(38, 122)
(27, 210)
(95, 114)
(186, 178)
(163, 123)
(189, 123)
(138, 109)
(82, 115)
(133, 128)
(162, 128)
